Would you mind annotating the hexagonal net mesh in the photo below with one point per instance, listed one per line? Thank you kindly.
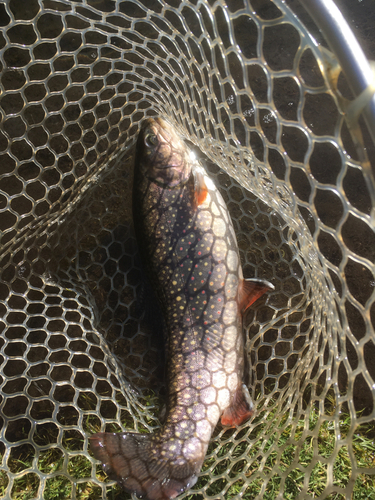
(246, 84)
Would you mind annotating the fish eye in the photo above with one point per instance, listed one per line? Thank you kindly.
(151, 140)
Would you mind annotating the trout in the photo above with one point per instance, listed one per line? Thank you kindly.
(189, 251)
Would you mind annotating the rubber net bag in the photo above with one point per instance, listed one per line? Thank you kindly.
(253, 92)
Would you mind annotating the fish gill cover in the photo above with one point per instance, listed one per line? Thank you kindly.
(247, 85)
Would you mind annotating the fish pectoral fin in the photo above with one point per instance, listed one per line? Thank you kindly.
(200, 188)
(136, 463)
(241, 409)
(250, 290)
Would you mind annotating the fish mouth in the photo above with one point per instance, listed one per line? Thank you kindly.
(167, 141)
(164, 155)
(157, 121)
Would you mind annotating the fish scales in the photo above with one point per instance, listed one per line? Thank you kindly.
(189, 251)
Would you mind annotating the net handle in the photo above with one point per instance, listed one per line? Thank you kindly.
(348, 52)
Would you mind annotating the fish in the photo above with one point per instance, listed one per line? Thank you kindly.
(190, 255)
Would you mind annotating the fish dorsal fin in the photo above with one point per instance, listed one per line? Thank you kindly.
(200, 188)
(250, 290)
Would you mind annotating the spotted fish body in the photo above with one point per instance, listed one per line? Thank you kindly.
(189, 250)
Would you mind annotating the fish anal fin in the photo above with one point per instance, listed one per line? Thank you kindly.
(241, 409)
(135, 461)
(251, 290)
(200, 188)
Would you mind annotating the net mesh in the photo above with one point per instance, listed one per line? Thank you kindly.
(247, 85)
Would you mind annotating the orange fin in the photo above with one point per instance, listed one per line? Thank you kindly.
(241, 409)
(200, 188)
(250, 290)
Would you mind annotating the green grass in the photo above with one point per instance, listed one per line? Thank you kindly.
(262, 462)
(264, 455)
(25, 487)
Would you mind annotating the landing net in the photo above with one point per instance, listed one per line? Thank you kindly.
(249, 87)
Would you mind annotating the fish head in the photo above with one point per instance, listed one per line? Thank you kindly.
(161, 155)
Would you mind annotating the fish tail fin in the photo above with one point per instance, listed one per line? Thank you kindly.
(136, 462)
(241, 409)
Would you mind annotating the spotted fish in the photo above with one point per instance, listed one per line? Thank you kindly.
(189, 250)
